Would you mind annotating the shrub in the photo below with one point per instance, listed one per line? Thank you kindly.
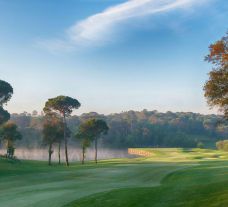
(200, 145)
(222, 145)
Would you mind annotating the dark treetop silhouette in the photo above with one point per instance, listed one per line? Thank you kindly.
(6, 92)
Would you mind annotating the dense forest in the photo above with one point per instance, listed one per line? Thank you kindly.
(135, 129)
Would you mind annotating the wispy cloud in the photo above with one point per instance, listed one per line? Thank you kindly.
(99, 28)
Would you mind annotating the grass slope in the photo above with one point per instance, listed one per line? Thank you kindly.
(200, 179)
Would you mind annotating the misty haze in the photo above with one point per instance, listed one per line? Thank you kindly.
(75, 154)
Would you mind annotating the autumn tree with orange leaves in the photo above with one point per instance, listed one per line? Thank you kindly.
(216, 88)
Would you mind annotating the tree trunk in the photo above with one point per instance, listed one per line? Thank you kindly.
(59, 153)
(96, 150)
(7, 152)
(49, 153)
(83, 155)
(65, 140)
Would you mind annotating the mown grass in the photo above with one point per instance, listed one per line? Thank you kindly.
(198, 186)
(159, 180)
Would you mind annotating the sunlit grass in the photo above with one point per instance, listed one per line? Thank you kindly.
(180, 154)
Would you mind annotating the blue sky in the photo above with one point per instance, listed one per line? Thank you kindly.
(112, 55)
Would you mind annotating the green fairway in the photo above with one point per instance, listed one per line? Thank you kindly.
(169, 177)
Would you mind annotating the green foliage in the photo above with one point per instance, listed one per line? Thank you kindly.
(100, 127)
(52, 129)
(138, 129)
(92, 128)
(6, 92)
(62, 104)
(85, 134)
(9, 134)
(4, 116)
(53, 132)
(86, 130)
(200, 145)
(89, 131)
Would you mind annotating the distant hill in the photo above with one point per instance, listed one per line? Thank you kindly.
(138, 129)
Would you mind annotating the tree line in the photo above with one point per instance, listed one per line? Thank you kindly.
(135, 129)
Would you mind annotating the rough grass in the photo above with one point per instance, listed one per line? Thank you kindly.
(170, 177)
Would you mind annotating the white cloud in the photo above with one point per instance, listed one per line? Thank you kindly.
(99, 28)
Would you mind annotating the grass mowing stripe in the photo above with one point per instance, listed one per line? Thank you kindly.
(185, 187)
(44, 189)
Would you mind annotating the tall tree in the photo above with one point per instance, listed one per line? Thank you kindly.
(52, 132)
(93, 129)
(10, 134)
(85, 135)
(85, 143)
(64, 105)
(216, 88)
(60, 138)
(100, 128)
